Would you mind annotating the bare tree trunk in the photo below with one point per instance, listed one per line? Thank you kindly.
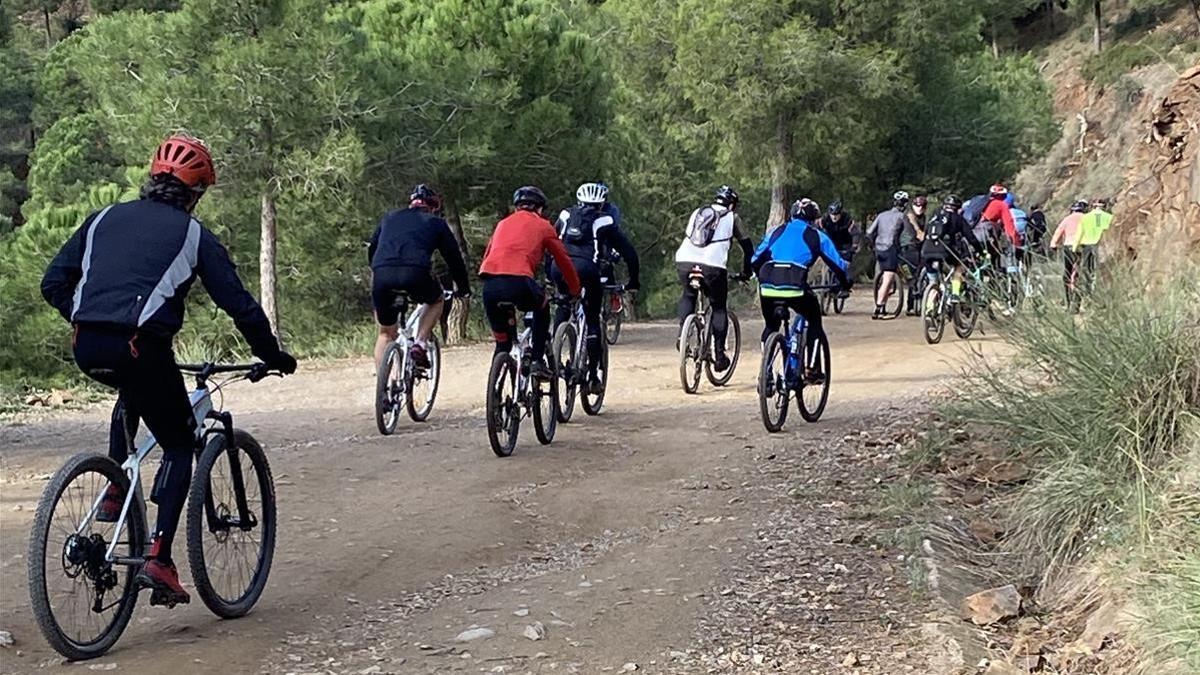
(266, 260)
(49, 38)
(779, 171)
(460, 313)
(1050, 13)
(995, 45)
(1099, 19)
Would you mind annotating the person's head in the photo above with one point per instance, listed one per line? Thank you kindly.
(592, 195)
(425, 198)
(181, 171)
(1100, 203)
(919, 204)
(998, 191)
(835, 209)
(529, 198)
(900, 200)
(952, 203)
(805, 209)
(727, 197)
(1080, 206)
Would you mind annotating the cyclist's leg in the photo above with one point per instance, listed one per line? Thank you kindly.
(716, 281)
(1089, 255)
(889, 262)
(910, 258)
(423, 288)
(687, 299)
(593, 302)
(562, 313)
(501, 318)
(529, 297)
(808, 307)
(383, 296)
(771, 315)
(105, 356)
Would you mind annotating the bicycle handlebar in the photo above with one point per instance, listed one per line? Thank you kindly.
(254, 371)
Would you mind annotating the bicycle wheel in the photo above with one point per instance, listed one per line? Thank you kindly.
(691, 353)
(503, 406)
(720, 379)
(614, 315)
(933, 318)
(81, 602)
(839, 304)
(423, 388)
(773, 391)
(813, 395)
(593, 402)
(965, 313)
(231, 524)
(545, 409)
(566, 352)
(388, 389)
(895, 300)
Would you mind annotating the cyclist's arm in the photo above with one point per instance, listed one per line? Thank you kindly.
(451, 252)
(614, 237)
(823, 247)
(746, 245)
(552, 244)
(65, 271)
(374, 244)
(219, 276)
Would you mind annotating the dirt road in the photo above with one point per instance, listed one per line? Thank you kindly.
(671, 533)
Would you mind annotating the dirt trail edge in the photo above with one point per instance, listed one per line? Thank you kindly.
(669, 534)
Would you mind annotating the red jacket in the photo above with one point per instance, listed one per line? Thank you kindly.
(997, 211)
(518, 246)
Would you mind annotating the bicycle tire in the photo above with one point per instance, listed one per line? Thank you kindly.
(735, 331)
(965, 314)
(773, 393)
(894, 296)
(933, 316)
(387, 409)
(565, 350)
(545, 423)
(813, 413)
(433, 375)
(612, 322)
(691, 346)
(135, 527)
(502, 436)
(839, 304)
(199, 522)
(592, 403)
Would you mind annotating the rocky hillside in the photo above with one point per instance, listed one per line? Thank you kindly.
(1131, 132)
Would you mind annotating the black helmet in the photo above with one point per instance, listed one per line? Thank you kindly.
(727, 196)
(425, 197)
(1080, 206)
(952, 201)
(900, 199)
(835, 207)
(805, 209)
(529, 198)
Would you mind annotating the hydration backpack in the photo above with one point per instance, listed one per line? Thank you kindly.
(935, 229)
(973, 209)
(577, 230)
(705, 224)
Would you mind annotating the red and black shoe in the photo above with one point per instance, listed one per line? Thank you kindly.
(110, 505)
(163, 580)
(419, 355)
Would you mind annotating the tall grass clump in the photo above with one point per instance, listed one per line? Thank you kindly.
(1098, 405)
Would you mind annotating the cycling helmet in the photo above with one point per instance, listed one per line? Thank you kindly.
(187, 159)
(953, 201)
(529, 198)
(998, 191)
(425, 197)
(1080, 206)
(1010, 199)
(835, 207)
(592, 193)
(726, 196)
(805, 209)
(900, 199)
(921, 201)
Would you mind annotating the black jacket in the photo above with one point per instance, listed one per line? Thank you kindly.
(589, 234)
(408, 238)
(131, 265)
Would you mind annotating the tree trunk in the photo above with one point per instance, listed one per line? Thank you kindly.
(995, 45)
(266, 260)
(1096, 34)
(49, 37)
(779, 171)
(1196, 11)
(1050, 13)
(460, 313)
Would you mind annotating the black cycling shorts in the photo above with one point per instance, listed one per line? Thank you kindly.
(390, 284)
(889, 260)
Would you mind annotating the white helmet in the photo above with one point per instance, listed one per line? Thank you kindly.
(900, 198)
(592, 193)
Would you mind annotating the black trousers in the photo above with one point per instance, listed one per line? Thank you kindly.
(501, 294)
(910, 257)
(149, 387)
(774, 311)
(593, 302)
(715, 283)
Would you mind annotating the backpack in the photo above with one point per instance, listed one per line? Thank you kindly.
(973, 209)
(577, 230)
(704, 225)
(935, 229)
(1021, 220)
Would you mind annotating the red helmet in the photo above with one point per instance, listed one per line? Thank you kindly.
(186, 158)
(998, 191)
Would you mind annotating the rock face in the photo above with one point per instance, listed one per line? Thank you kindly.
(995, 604)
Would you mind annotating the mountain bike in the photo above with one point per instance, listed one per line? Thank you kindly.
(898, 289)
(513, 393)
(82, 571)
(935, 305)
(833, 300)
(399, 381)
(790, 367)
(572, 364)
(612, 312)
(697, 346)
(974, 299)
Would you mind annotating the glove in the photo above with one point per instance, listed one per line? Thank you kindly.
(283, 362)
(462, 293)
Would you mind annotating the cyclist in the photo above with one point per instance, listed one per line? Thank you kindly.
(588, 233)
(910, 247)
(948, 243)
(518, 245)
(1066, 232)
(705, 248)
(885, 233)
(782, 262)
(1036, 234)
(401, 257)
(1092, 227)
(841, 228)
(121, 281)
(997, 220)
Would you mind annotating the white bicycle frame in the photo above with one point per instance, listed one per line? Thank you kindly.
(201, 400)
(405, 338)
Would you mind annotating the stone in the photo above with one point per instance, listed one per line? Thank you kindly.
(6, 639)
(986, 530)
(850, 661)
(1002, 668)
(995, 604)
(535, 631)
(629, 667)
(1102, 626)
(473, 634)
(524, 611)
